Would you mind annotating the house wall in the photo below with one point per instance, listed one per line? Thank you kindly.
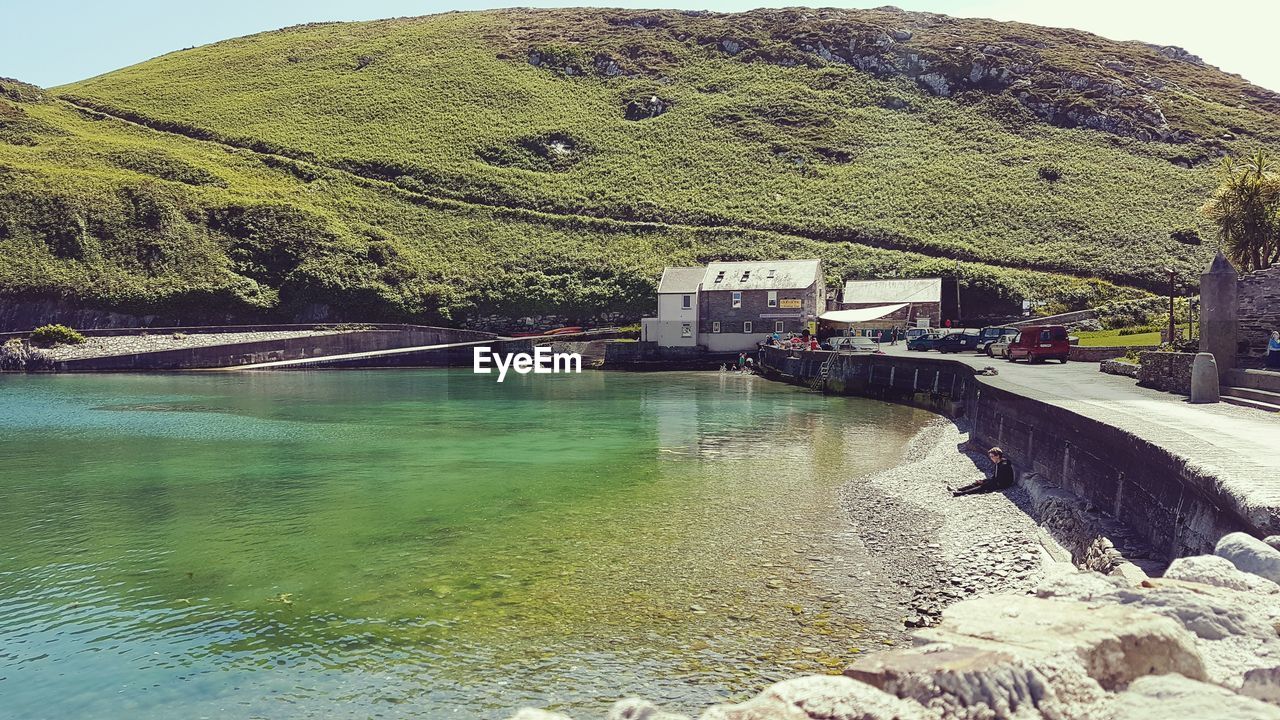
(671, 317)
(717, 306)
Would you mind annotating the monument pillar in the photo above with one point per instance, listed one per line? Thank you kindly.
(1218, 311)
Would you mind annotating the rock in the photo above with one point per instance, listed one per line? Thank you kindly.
(1273, 541)
(968, 682)
(1113, 644)
(1079, 586)
(638, 709)
(817, 697)
(535, 714)
(1218, 571)
(1250, 555)
(1204, 378)
(1262, 684)
(1166, 697)
(1235, 630)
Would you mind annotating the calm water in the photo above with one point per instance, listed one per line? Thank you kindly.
(421, 543)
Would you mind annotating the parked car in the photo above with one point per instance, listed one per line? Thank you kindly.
(993, 334)
(852, 344)
(1000, 348)
(924, 342)
(959, 341)
(1040, 342)
(913, 333)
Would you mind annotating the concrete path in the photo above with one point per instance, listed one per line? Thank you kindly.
(1239, 445)
(322, 360)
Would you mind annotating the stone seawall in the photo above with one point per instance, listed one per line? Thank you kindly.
(1175, 508)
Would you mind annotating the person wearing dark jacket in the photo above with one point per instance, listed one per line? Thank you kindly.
(1001, 478)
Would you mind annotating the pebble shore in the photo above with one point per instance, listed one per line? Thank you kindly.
(940, 549)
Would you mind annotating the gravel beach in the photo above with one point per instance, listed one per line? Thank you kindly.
(934, 549)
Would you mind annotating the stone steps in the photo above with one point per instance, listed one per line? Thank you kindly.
(1227, 397)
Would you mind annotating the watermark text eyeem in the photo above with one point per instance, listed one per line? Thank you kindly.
(541, 362)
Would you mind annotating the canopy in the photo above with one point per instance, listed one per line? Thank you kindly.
(861, 314)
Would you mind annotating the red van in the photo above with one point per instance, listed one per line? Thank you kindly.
(1041, 342)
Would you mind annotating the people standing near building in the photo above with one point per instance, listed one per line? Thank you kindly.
(1273, 350)
(742, 361)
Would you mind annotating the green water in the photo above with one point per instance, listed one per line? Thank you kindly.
(421, 543)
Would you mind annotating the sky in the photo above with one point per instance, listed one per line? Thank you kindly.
(51, 42)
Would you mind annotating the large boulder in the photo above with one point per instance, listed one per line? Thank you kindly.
(1170, 697)
(1234, 630)
(819, 697)
(1218, 571)
(1113, 644)
(966, 683)
(1250, 555)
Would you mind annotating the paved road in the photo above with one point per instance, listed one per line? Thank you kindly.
(1241, 446)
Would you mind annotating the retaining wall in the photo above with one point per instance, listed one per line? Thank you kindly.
(1167, 371)
(1176, 509)
(1258, 314)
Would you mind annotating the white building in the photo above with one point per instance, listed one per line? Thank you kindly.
(677, 321)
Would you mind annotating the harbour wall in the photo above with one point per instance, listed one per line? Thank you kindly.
(248, 353)
(1175, 508)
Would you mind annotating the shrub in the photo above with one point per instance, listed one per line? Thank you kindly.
(1050, 173)
(48, 335)
(1186, 236)
(15, 355)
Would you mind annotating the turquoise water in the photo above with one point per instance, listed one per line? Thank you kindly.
(421, 543)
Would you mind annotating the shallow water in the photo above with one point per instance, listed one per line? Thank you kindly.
(421, 543)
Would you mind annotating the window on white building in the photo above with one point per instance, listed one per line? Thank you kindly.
(686, 301)
(715, 327)
(746, 275)
(773, 298)
(720, 276)
(686, 330)
(779, 325)
(737, 299)
(746, 327)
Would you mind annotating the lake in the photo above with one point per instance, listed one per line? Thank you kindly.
(422, 543)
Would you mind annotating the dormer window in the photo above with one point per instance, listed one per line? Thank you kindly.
(720, 276)
(746, 275)
(771, 273)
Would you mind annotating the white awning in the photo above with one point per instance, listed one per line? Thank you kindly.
(861, 314)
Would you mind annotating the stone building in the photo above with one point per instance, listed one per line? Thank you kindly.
(737, 304)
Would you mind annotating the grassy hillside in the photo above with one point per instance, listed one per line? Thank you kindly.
(510, 162)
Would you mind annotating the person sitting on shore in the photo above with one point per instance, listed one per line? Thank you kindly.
(1001, 479)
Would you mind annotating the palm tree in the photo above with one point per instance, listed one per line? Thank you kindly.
(1246, 209)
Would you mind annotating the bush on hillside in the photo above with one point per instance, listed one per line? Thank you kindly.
(49, 335)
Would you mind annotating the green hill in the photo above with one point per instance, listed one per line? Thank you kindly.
(454, 166)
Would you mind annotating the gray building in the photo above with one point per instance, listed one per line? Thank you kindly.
(737, 304)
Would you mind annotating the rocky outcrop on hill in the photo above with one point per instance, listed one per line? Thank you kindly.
(1062, 77)
(1201, 642)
